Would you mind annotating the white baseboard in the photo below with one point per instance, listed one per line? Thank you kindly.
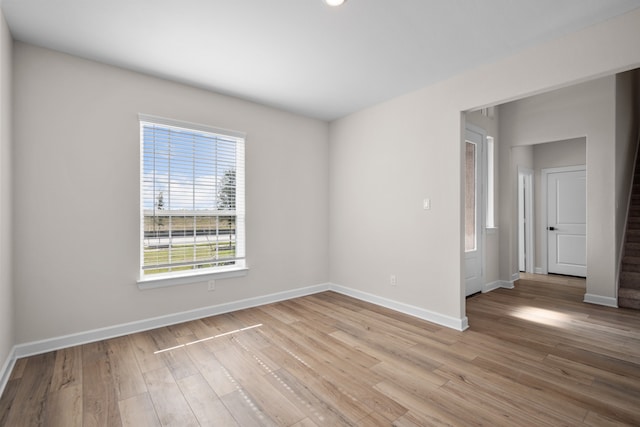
(51, 344)
(508, 284)
(504, 284)
(515, 276)
(7, 367)
(488, 287)
(421, 313)
(56, 343)
(600, 300)
(539, 270)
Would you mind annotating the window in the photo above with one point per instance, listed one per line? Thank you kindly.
(471, 193)
(192, 200)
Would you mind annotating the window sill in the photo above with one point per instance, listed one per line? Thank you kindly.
(163, 281)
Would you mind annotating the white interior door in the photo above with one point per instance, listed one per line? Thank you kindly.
(474, 226)
(567, 222)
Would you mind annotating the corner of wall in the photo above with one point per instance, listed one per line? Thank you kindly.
(7, 319)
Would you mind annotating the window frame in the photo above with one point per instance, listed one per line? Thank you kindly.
(240, 268)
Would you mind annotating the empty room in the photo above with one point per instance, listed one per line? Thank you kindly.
(319, 213)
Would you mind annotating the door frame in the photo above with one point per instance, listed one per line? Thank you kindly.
(544, 178)
(525, 179)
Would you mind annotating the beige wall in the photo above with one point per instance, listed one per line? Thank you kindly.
(385, 159)
(77, 195)
(6, 202)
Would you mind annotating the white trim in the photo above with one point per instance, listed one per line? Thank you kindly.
(515, 276)
(600, 300)
(539, 270)
(421, 313)
(152, 282)
(488, 287)
(528, 246)
(7, 367)
(508, 284)
(51, 344)
(544, 178)
(151, 119)
(505, 284)
(56, 343)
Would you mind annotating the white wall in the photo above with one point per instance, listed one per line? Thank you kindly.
(76, 177)
(6, 202)
(384, 160)
(551, 155)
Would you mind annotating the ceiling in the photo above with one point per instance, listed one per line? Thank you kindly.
(301, 55)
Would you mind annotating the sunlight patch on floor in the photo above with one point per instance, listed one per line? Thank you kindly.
(543, 316)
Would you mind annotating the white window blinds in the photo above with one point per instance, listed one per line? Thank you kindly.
(192, 198)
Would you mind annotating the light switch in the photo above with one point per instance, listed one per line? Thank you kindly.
(426, 204)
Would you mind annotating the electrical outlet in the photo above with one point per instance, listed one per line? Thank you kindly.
(211, 286)
(393, 280)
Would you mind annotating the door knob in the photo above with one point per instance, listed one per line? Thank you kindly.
(551, 228)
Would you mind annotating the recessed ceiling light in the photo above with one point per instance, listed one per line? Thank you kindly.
(334, 2)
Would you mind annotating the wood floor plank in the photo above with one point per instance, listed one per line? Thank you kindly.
(138, 411)
(305, 423)
(322, 389)
(144, 349)
(334, 372)
(204, 402)
(64, 407)
(308, 401)
(245, 411)
(124, 368)
(497, 410)
(211, 369)
(519, 393)
(30, 403)
(252, 379)
(18, 368)
(177, 360)
(67, 371)
(99, 395)
(415, 380)
(615, 407)
(170, 405)
(374, 419)
(281, 312)
(426, 412)
(7, 399)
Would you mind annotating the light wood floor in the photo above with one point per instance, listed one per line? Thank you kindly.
(535, 355)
